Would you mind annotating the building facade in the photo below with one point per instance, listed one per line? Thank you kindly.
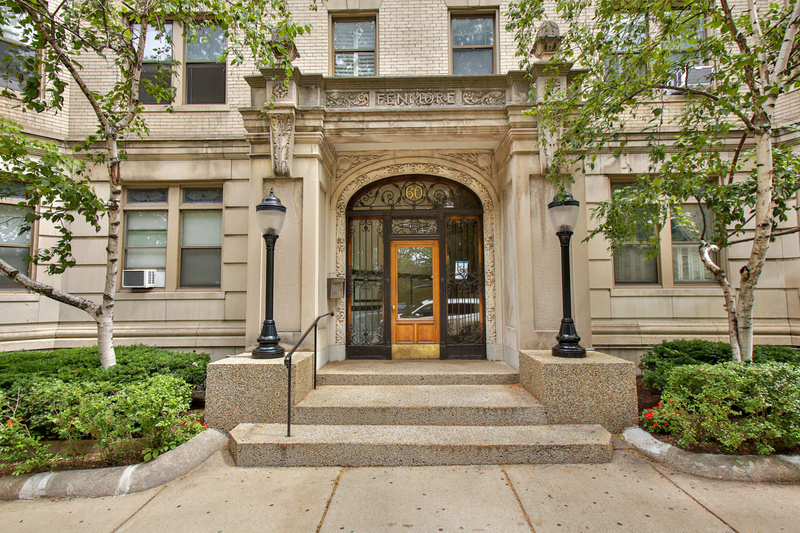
(410, 172)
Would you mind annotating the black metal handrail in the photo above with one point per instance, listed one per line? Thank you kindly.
(288, 362)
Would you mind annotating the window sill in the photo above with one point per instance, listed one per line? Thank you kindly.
(18, 295)
(150, 294)
(188, 108)
(650, 291)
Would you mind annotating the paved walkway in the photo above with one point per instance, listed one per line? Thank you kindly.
(629, 494)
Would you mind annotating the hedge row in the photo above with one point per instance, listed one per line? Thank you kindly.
(658, 363)
(134, 364)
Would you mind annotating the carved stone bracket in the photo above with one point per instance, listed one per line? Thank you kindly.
(281, 138)
(453, 172)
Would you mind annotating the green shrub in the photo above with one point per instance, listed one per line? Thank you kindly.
(112, 414)
(742, 407)
(657, 363)
(18, 446)
(134, 363)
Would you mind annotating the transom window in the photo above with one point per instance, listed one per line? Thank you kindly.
(354, 47)
(473, 44)
(416, 193)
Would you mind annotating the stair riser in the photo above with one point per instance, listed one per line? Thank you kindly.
(424, 416)
(415, 379)
(355, 455)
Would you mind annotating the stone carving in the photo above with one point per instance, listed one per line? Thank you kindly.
(346, 162)
(489, 97)
(482, 160)
(434, 169)
(548, 39)
(414, 98)
(281, 136)
(347, 99)
(279, 90)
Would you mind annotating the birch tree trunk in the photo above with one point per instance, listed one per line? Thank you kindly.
(721, 278)
(763, 233)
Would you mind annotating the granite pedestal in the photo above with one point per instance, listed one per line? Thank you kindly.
(597, 389)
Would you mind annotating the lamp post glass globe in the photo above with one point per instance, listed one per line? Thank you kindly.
(270, 214)
(563, 214)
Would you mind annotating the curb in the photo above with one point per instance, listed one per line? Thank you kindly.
(749, 468)
(117, 480)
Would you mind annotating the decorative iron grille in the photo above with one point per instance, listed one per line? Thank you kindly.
(464, 285)
(415, 193)
(415, 226)
(365, 282)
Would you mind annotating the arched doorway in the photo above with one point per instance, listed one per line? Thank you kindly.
(415, 276)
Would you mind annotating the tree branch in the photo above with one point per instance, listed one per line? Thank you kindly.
(736, 157)
(46, 290)
(787, 45)
(780, 233)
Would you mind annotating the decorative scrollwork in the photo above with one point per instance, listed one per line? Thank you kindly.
(414, 226)
(415, 193)
(490, 97)
(347, 99)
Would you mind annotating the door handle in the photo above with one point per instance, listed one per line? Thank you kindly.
(392, 308)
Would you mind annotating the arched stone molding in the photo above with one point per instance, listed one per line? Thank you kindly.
(454, 169)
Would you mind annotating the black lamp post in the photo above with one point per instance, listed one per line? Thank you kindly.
(564, 215)
(270, 214)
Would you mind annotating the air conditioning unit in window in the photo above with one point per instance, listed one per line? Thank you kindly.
(143, 278)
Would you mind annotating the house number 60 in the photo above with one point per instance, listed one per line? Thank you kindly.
(414, 192)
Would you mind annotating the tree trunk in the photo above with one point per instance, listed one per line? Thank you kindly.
(763, 233)
(721, 278)
(105, 341)
(105, 315)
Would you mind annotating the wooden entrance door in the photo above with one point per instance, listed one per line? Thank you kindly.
(415, 308)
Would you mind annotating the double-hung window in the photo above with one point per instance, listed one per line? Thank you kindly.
(690, 69)
(157, 64)
(624, 33)
(205, 71)
(473, 41)
(17, 59)
(686, 263)
(178, 230)
(15, 242)
(201, 237)
(146, 218)
(631, 262)
(354, 47)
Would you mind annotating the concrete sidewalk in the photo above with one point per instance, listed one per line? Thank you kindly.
(629, 494)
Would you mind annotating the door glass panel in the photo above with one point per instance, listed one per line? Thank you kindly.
(415, 282)
(464, 289)
(365, 282)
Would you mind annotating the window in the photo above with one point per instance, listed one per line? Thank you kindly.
(201, 237)
(150, 234)
(679, 248)
(205, 73)
(631, 264)
(17, 60)
(354, 47)
(686, 263)
(146, 228)
(15, 243)
(473, 44)
(157, 65)
(625, 33)
(690, 69)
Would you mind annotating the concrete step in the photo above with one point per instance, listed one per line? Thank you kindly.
(459, 405)
(318, 445)
(434, 372)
